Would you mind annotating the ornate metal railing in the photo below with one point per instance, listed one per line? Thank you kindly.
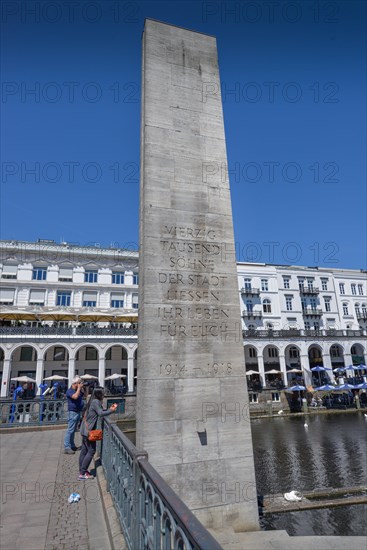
(249, 291)
(251, 313)
(294, 333)
(309, 290)
(32, 413)
(68, 331)
(313, 311)
(151, 515)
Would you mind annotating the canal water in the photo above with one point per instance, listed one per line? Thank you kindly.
(330, 452)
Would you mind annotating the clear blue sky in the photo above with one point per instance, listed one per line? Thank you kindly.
(295, 122)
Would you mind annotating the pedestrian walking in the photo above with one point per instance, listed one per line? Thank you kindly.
(74, 397)
(93, 412)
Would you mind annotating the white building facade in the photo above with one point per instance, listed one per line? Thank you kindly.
(69, 310)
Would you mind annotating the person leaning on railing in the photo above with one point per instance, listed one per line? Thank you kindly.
(93, 412)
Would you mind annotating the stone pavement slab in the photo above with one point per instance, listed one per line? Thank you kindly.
(36, 481)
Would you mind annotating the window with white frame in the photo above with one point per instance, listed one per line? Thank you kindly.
(135, 278)
(249, 306)
(59, 353)
(264, 285)
(63, 298)
(118, 278)
(289, 303)
(272, 352)
(327, 302)
(313, 303)
(135, 300)
(7, 296)
(247, 284)
(324, 283)
(356, 307)
(345, 309)
(117, 300)
(286, 282)
(253, 397)
(335, 351)
(293, 352)
(301, 283)
(266, 306)
(9, 272)
(364, 310)
(341, 288)
(353, 289)
(316, 325)
(27, 353)
(91, 276)
(66, 274)
(310, 284)
(91, 353)
(303, 302)
(37, 297)
(307, 325)
(275, 396)
(89, 299)
(39, 273)
(360, 290)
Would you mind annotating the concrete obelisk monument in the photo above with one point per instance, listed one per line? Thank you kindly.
(192, 404)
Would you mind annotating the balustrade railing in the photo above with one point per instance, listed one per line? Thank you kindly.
(308, 333)
(151, 515)
(33, 413)
(68, 331)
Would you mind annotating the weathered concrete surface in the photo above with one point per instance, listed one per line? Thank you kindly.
(192, 403)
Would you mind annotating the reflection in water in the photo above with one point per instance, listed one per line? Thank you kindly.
(331, 452)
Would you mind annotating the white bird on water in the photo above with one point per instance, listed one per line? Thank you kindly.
(365, 415)
(305, 425)
(281, 412)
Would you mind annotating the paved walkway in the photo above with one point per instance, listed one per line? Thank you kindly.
(36, 481)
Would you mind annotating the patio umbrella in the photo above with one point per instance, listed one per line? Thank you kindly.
(273, 371)
(23, 379)
(353, 368)
(319, 368)
(362, 386)
(58, 315)
(95, 317)
(345, 387)
(294, 370)
(115, 376)
(126, 318)
(339, 369)
(250, 372)
(359, 367)
(16, 315)
(89, 377)
(56, 377)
